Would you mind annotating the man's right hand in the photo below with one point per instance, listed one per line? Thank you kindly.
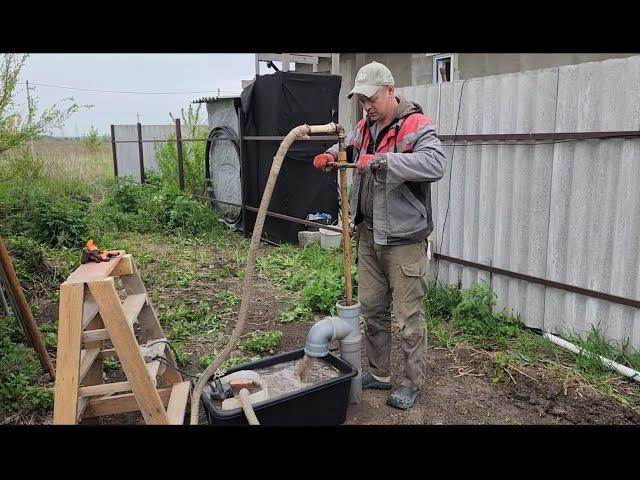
(320, 162)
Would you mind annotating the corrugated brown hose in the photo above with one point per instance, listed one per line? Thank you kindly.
(300, 132)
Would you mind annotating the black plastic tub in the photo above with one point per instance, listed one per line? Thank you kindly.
(324, 403)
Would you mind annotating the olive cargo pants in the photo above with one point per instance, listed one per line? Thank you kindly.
(386, 274)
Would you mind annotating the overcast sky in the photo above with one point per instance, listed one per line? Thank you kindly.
(201, 73)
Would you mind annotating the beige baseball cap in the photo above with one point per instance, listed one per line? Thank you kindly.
(370, 78)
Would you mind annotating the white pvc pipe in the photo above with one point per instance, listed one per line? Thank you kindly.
(622, 369)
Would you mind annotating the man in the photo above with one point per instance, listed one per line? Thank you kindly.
(398, 155)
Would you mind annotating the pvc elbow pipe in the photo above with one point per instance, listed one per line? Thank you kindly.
(346, 329)
(323, 332)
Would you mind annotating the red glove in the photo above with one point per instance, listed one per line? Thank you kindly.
(371, 162)
(363, 160)
(320, 161)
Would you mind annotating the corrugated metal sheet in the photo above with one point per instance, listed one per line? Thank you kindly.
(567, 212)
(595, 216)
(127, 153)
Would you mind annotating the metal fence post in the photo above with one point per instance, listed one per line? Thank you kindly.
(113, 151)
(140, 154)
(180, 157)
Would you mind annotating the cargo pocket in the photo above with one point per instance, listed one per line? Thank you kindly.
(414, 281)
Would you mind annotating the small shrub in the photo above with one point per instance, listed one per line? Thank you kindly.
(92, 140)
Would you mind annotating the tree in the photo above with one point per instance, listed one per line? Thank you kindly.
(19, 126)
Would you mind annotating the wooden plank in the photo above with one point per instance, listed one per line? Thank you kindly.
(132, 306)
(82, 405)
(117, 404)
(65, 406)
(108, 353)
(112, 353)
(95, 335)
(150, 328)
(104, 389)
(125, 343)
(86, 361)
(133, 283)
(147, 319)
(95, 324)
(89, 310)
(178, 403)
(90, 272)
(94, 375)
(170, 375)
(117, 387)
(124, 267)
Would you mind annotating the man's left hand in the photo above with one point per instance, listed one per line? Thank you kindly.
(371, 162)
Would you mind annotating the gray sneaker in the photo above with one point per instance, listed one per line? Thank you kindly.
(369, 381)
(403, 397)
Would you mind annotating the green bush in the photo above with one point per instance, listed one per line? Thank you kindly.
(190, 217)
(154, 207)
(125, 196)
(19, 371)
(61, 222)
(27, 257)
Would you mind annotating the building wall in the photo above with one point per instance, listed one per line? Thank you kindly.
(471, 65)
(417, 69)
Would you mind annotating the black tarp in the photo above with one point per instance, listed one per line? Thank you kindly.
(273, 105)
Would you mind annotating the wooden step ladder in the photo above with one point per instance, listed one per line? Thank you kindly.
(91, 314)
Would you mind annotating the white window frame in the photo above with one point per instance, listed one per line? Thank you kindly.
(436, 76)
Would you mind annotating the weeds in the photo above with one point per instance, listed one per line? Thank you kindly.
(262, 342)
(314, 272)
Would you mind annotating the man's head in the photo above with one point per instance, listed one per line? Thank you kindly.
(374, 89)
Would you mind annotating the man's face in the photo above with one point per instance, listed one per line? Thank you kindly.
(377, 104)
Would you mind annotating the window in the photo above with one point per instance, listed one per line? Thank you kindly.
(443, 68)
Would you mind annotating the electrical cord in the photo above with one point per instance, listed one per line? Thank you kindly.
(168, 343)
(453, 152)
(129, 92)
(165, 362)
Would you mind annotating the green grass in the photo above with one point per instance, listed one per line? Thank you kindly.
(457, 316)
(56, 201)
(314, 273)
(261, 342)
